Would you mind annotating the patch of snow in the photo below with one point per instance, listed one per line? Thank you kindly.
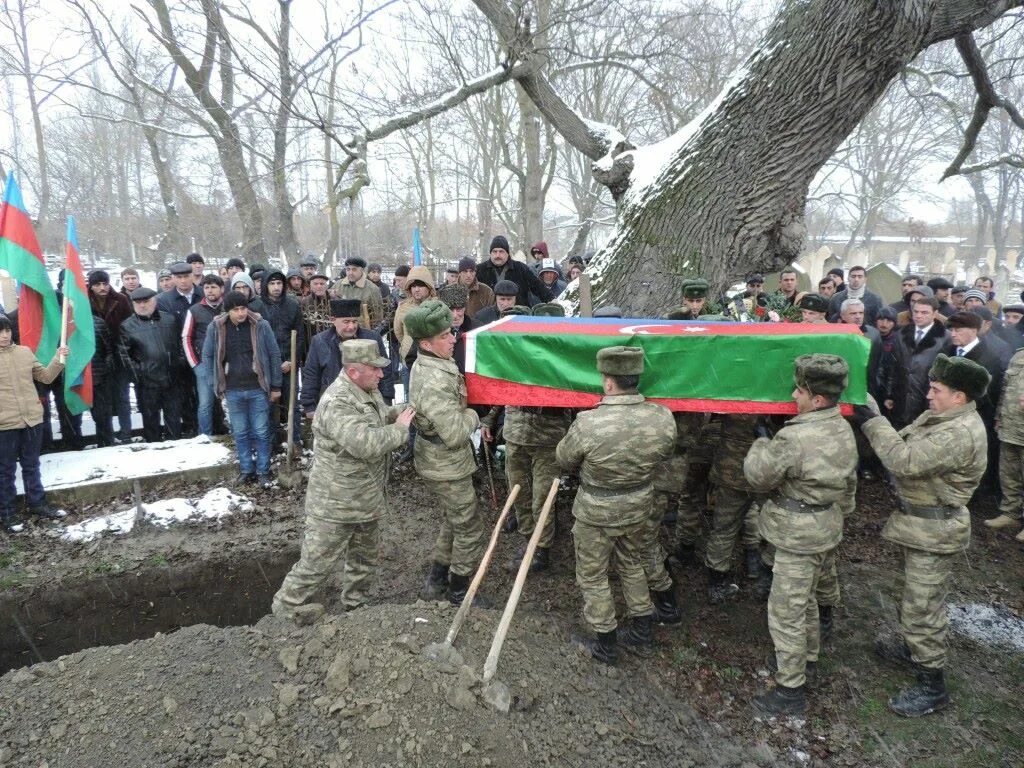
(993, 626)
(214, 505)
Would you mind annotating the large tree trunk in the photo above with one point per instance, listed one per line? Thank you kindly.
(287, 243)
(531, 190)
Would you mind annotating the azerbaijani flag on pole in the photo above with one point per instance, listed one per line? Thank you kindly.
(689, 366)
(21, 257)
(417, 248)
(81, 332)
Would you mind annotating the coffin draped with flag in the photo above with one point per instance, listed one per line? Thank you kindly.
(689, 366)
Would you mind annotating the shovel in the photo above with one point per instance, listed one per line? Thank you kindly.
(291, 477)
(444, 652)
(495, 692)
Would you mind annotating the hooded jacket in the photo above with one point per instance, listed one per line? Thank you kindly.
(420, 275)
(284, 316)
(255, 302)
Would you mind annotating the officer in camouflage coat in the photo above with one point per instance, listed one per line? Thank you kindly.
(809, 470)
(345, 499)
(443, 453)
(937, 463)
(618, 447)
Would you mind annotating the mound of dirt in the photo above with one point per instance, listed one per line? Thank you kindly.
(351, 690)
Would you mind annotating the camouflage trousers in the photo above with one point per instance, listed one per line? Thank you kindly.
(594, 549)
(827, 592)
(734, 509)
(460, 542)
(923, 619)
(692, 503)
(658, 578)
(534, 468)
(1011, 479)
(793, 614)
(323, 545)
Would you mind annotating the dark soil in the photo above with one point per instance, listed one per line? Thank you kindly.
(711, 666)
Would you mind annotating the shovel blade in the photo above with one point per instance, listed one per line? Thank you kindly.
(497, 694)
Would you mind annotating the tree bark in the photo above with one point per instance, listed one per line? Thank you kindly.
(287, 243)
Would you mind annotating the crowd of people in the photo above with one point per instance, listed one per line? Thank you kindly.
(945, 421)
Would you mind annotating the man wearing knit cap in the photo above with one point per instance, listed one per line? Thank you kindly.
(355, 285)
(480, 295)
(617, 448)
(505, 294)
(164, 280)
(355, 434)
(809, 470)
(936, 464)
(443, 453)
(501, 266)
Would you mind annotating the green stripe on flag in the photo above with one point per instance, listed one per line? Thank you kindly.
(719, 367)
(26, 269)
(82, 343)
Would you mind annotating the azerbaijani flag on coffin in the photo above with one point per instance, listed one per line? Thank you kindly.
(689, 366)
(21, 257)
(81, 332)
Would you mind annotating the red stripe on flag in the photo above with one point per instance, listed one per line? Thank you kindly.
(641, 327)
(484, 390)
(17, 227)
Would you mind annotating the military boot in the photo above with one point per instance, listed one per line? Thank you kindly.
(601, 648)
(638, 637)
(437, 582)
(720, 588)
(458, 586)
(666, 608)
(892, 647)
(929, 695)
(754, 564)
(826, 622)
(810, 670)
(763, 585)
(541, 560)
(686, 554)
(780, 701)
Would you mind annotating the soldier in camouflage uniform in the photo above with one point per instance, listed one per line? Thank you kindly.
(345, 499)
(355, 285)
(734, 501)
(809, 470)
(937, 463)
(1010, 426)
(443, 453)
(618, 447)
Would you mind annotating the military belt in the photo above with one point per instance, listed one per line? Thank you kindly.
(795, 505)
(594, 490)
(931, 513)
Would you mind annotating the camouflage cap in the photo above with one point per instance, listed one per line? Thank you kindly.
(821, 374)
(694, 288)
(363, 351)
(813, 302)
(961, 374)
(620, 361)
(455, 296)
(163, 273)
(428, 319)
(548, 310)
(517, 309)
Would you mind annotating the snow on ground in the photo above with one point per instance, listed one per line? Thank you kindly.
(214, 505)
(120, 462)
(987, 625)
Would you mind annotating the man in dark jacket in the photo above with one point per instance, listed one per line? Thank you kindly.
(193, 335)
(885, 323)
(241, 351)
(103, 389)
(114, 308)
(852, 312)
(284, 315)
(505, 293)
(856, 288)
(176, 303)
(917, 345)
(323, 363)
(150, 346)
(501, 266)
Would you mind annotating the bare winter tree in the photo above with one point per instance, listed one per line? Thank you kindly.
(726, 193)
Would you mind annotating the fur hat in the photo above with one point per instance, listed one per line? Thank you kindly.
(620, 361)
(548, 310)
(499, 241)
(821, 374)
(98, 276)
(813, 302)
(346, 307)
(694, 288)
(516, 309)
(964, 320)
(455, 296)
(428, 319)
(960, 374)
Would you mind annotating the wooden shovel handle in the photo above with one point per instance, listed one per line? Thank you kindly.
(491, 665)
(478, 577)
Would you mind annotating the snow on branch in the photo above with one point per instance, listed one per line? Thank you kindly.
(987, 99)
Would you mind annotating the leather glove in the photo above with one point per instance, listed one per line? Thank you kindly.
(763, 429)
(863, 413)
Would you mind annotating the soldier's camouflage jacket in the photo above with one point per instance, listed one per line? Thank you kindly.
(437, 391)
(735, 440)
(528, 425)
(1010, 415)
(354, 436)
(937, 460)
(617, 446)
(811, 459)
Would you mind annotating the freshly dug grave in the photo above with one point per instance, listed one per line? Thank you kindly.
(351, 690)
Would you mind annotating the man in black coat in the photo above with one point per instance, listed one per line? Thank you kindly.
(150, 347)
(856, 288)
(917, 346)
(323, 362)
(505, 293)
(501, 266)
(852, 312)
(176, 303)
(283, 313)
